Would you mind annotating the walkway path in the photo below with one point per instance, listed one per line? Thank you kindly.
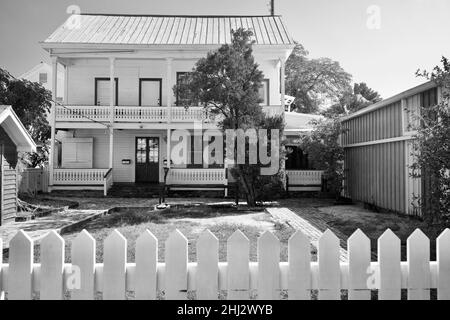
(39, 227)
(310, 230)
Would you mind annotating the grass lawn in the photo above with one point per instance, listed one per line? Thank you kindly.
(191, 221)
(348, 218)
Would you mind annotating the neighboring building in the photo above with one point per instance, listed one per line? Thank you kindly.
(42, 73)
(13, 138)
(120, 106)
(378, 151)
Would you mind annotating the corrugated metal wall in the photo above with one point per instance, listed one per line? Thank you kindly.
(377, 170)
(376, 175)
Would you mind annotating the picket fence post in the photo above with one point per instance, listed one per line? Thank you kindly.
(20, 273)
(52, 267)
(329, 267)
(299, 255)
(418, 255)
(146, 266)
(358, 245)
(176, 266)
(268, 267)
(443, 262)
(207, 266)
(83, 263)
(238, 273)
(114, 266)
(389, 266)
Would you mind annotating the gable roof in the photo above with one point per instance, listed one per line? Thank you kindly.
(15, 130)
(167, 30)
(299, 122)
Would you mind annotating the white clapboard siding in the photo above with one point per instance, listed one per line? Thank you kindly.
(329, 270)
(52, 267)
(299, 254)
(389, 266)
(268, 267)
(443, 265)
(20, 267)
(176, 266)
(358, 266)
(238, 273)
(206, 277)
(83, 258)
(146, 266)
(418, 254)
(115, 260)
(207, 266)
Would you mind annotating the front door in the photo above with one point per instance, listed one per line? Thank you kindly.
(147, 159)
(150, 92)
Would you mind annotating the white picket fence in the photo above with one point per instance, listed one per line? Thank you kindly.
(238, 276)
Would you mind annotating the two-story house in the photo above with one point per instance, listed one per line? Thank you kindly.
(120, 108)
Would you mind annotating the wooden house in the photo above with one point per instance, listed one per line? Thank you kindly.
(14, 138)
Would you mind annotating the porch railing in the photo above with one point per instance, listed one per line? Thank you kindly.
(140, 114)
(79, 176)
(198, 177)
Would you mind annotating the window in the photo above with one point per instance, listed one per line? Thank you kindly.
(264, 92)
(77, 152)
(42, 78)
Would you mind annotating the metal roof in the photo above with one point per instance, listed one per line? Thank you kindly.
(168, 30)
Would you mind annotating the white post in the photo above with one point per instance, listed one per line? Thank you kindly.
(53, 118)
(282, 84)
(111, 110)
(66, 84)
(169, 93)
(169, 137)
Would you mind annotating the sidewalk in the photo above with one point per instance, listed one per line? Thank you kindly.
(310, 230)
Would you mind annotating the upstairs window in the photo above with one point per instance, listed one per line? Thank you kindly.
(183, 98)
(42, 78)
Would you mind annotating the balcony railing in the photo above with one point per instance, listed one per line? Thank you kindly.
(140, 114)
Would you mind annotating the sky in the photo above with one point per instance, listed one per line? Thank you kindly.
(380, 42)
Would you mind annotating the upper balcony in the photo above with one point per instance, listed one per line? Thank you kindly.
(79, 116)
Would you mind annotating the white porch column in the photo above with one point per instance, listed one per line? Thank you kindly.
(66, 84)
(169, 92)
(169, 137)
(282, 83)
(111, 110)
(51, 160)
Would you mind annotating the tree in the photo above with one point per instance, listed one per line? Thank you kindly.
(31, 102)
(431, 148)
(226, 83)
(314, 81)
(325, 153)
(361, 96)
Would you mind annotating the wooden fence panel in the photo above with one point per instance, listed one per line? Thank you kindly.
(51, 277)
(358, 264)
(52, 267)
(176, 266)
(20, 267)
(208, 266)
(389, 265)
(329, 267)
(299, 279)
(238, 274)
(268, 267)
(146, 266)
(83, 258)
(418, 252)
(114, 269)
(443, 264)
